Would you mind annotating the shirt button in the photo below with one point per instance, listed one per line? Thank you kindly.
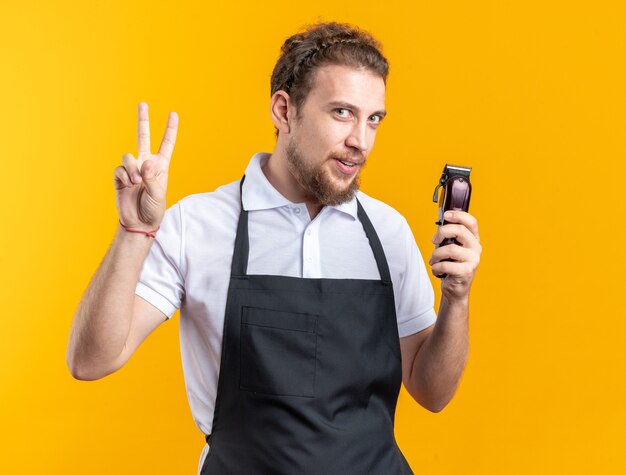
(308, 232)
(296, 210)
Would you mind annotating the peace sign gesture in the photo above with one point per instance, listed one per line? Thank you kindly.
(141, 182)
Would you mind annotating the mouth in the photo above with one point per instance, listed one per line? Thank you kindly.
(347, 166)
(347, 163)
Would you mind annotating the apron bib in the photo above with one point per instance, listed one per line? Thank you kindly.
(310, 373)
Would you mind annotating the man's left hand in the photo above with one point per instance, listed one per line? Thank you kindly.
(465, 257)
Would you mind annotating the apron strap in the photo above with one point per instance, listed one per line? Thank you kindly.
(377, 247)
(239, 265)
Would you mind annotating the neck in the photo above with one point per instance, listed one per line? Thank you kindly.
(278, 174)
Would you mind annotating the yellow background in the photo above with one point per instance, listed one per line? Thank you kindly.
(530, 94)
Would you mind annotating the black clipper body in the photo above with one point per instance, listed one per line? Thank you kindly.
(456, 194)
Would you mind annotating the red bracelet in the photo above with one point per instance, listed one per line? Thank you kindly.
(147, 233)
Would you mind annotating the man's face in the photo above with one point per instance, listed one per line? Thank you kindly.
(334, 132)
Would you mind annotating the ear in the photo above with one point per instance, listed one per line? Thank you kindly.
(281, 111)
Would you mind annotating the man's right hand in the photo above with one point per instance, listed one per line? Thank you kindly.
(141, 182)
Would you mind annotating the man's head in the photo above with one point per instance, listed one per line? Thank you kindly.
(328, 97)
(319, 45)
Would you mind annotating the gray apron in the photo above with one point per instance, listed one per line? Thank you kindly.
(310, 373)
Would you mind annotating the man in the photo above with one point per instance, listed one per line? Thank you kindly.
(304, 304)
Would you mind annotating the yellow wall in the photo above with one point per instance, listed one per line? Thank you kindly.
(529, 93)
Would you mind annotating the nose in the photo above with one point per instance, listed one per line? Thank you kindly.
(357, 140)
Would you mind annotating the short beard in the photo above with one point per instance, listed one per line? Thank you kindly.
(316, 181)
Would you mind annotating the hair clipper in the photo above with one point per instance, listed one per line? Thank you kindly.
(455, 195)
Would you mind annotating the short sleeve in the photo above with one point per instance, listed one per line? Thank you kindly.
(415, 298)
(161, 282)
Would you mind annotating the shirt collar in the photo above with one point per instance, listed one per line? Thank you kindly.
(258, 193)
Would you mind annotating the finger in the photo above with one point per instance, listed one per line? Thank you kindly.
(452, 251)
(466, 219)
(121, 178)
(169, 137)
(457, 231)
(132, 168)
(143, 131)
(454, 269)
(150, 172)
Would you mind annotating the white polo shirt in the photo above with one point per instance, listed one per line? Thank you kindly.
(188, 266)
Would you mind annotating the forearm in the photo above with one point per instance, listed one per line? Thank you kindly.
(440, 361)
(103, 318)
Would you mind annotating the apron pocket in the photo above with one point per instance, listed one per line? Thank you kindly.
(278, 352)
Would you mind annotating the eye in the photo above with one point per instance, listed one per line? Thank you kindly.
(344, 113)
(375, 119)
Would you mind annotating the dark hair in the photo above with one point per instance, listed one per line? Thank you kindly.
(319, 45)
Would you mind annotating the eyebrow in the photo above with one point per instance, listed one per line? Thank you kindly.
(382, 113)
